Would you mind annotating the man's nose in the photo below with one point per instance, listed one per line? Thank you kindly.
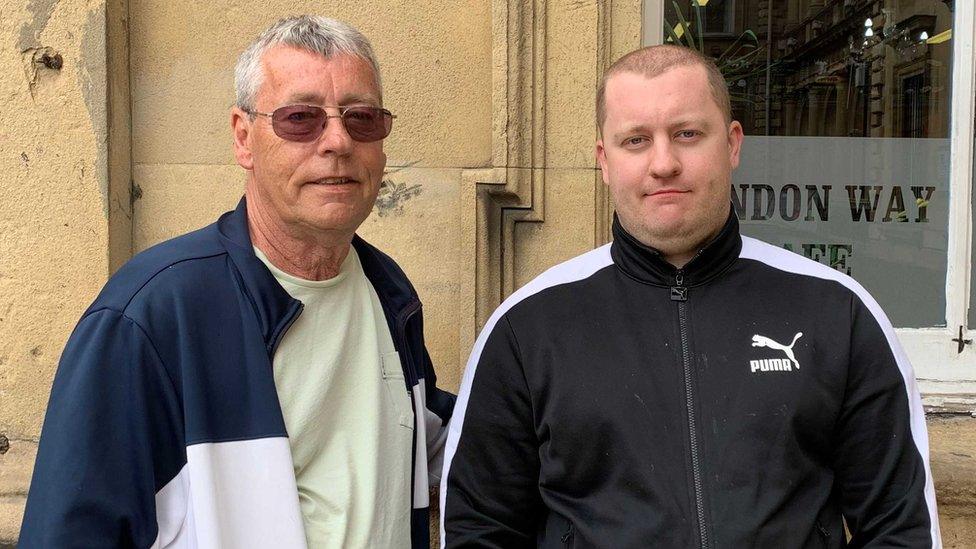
(664, 162)
(334, 139)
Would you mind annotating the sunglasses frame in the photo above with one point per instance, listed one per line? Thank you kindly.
(384, 113)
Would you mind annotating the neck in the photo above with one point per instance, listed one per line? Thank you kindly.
(678, 250)
(302, 254)
(681, 259)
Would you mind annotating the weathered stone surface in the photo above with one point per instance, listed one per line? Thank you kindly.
(953, 462)
(16, 467)
(54, 196)
(435, 59)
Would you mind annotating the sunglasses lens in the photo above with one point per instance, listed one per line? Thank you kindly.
(305, 123)
(298, 122)
(366, 124)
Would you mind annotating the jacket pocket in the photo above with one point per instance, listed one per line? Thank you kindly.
(396, 388)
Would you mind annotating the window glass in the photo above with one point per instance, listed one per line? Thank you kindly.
(972, 237)
(845, 106)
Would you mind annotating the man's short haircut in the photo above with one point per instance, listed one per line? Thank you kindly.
(312, 33)
(655, 60)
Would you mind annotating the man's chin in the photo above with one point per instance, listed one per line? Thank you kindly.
(333, 218)
(666, 236)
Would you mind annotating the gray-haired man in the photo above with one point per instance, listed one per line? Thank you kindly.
(261, 382)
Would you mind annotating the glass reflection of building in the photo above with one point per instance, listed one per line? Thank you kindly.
(851, 68)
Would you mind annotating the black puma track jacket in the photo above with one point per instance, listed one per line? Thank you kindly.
(753, 398)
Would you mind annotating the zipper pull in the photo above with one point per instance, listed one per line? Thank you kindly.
(679, 292)
(568, 535)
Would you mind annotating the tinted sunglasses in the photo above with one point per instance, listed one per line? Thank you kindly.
(305, 123)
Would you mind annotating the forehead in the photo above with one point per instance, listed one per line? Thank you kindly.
(292, 73)
(678, 92)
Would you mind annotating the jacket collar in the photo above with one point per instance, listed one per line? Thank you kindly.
(647, 264)
(275, 308)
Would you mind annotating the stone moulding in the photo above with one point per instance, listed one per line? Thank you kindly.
(512, 191)
(495, 199)
(603, 209)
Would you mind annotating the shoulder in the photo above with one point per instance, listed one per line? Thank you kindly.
(804, 269)
(577, 269)
(182, 264)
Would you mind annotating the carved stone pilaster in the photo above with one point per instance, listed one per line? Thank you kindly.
(617, 36)
(605, 57)
(494, 200)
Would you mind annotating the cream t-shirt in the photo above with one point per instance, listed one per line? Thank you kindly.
(347, 412)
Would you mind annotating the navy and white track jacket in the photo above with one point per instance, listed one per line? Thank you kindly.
(164, 428)
(753, 398)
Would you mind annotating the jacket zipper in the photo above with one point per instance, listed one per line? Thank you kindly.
(402, 318)
(281, 333)
(824, 534)
(679, 294)
(567, 536)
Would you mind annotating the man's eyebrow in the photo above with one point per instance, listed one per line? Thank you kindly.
(690, 121)
(630, 130)
(305, 97)
(368, 99)
(316, 99)
(694, 122)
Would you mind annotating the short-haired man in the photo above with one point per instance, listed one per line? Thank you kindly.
(685, 386)
(261, 382)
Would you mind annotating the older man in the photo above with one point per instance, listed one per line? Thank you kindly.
(685, 386)
(261, 382)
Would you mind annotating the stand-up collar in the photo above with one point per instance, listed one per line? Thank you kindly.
(648, 264)
(274, 306)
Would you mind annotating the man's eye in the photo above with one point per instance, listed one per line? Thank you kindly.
(634, 141)
(688, 134)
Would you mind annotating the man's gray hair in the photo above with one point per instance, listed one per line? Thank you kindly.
(312, 33)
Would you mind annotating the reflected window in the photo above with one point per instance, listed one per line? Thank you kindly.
(719, 17)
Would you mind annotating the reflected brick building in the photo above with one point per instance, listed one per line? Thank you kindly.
(855, 68)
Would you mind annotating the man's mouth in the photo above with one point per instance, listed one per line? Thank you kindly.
(333, 181)
(664, 192)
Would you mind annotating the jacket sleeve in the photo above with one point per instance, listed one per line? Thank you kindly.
(440, 407)
(881, 448)
(111, 438)
(491, 472)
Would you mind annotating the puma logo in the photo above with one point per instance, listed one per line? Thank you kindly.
(775, 364)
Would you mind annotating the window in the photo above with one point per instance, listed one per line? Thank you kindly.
(718, 16)
(859, 151)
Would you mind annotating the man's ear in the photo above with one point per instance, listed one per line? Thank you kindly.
(601, 159)
(241, 126)
(735, 143)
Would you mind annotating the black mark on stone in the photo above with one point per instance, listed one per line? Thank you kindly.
(4, 444)
(36, 351)
(392, 196)
(54, 62)
(136, 192)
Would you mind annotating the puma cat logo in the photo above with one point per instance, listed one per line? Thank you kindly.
(775, 364)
